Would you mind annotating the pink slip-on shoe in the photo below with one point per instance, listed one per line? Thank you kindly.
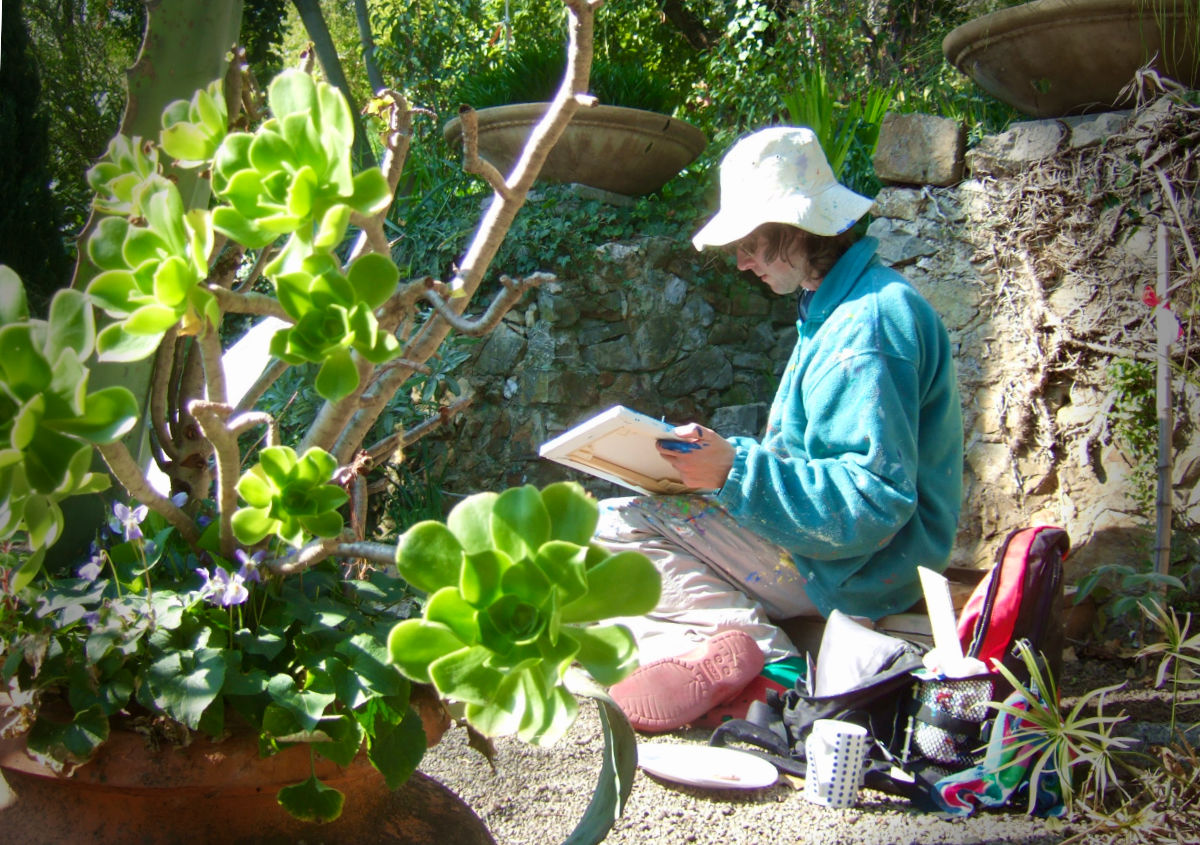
(671, 692)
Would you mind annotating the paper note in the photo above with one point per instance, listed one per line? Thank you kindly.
(942, 620)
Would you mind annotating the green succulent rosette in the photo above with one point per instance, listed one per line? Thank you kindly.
(49, 422)
(289, 497)
(293, 175)
(515, 585)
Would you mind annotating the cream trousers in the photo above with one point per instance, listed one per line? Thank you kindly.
(716, 575)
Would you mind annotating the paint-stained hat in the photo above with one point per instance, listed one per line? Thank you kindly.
(780, 175)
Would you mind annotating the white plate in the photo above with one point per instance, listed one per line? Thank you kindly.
(706, 766)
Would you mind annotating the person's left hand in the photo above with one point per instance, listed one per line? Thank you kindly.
(705, 467)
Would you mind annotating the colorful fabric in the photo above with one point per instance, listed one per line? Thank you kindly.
(859, 475)
(1003, 773)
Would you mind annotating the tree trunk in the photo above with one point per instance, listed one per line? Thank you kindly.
(322, 41)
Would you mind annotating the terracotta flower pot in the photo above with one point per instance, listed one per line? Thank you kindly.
(1051, 58)
(626, 151)
(216, 792)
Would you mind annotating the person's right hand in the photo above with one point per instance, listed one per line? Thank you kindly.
(705, 467)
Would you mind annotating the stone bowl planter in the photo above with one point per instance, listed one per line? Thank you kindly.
(622, 150)
(1051, 58)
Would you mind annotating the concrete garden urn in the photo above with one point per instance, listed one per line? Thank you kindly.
(617, 149)
(1052, 58)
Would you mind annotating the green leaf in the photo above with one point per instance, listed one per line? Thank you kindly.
(563, 563)
(396, 749)
(312, 801)
(186, 142)
(338, 376)
(479, 583)
(429, 556)
(115, 344)
(14, 307)
(502, 715)
(607, 652)
(346, 738)
(416, 643)
(115, 291)
(471, 522)
(109, 414)
(71, 325)
(520, 522)
(573, 513)
(251, 525)
(371, 193)
(73, 742)
(465, 676)
(292, 92)
(183, 689)
(374, 278)
(302, 191)
(151, 320)
(447, 607)
(625, 584)
(25, 370)
(173, 281)
(106, 246)
(556, 713)
(307, 705)
(332, 228)
(234, 225)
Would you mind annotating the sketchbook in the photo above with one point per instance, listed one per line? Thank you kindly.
(618, 445)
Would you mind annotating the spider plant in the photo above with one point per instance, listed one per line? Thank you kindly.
(1063, 744)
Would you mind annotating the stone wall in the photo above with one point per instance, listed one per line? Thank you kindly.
(666, 330)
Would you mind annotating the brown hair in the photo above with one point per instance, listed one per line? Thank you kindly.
(780, 239)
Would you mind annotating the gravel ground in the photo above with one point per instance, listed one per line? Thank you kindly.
(537, 795)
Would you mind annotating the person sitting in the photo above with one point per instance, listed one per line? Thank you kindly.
(857, 480)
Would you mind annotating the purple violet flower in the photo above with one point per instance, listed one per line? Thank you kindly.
(222, 588)
(128, 520)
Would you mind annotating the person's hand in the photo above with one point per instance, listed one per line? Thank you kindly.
(706, 464)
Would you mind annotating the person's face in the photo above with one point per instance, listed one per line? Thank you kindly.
(783, 274)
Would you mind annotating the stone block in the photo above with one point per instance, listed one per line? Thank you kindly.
(920, 149)
(1024, 144)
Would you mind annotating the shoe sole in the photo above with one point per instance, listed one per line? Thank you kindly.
(672, 692)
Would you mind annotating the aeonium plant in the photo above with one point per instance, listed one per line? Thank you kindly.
(246, 592)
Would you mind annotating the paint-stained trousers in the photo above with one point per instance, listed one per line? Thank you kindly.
(716, 575)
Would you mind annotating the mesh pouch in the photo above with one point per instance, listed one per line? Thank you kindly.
(945, 720)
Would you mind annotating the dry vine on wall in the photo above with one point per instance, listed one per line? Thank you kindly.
(1071, 243)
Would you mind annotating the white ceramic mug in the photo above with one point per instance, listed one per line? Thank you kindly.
(836, 753)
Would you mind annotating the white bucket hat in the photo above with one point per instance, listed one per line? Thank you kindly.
(780, 175)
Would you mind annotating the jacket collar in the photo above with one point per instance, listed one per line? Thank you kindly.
(838, 281)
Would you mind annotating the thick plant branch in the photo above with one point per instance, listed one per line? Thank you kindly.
(509, 296)
(211, 417)
(341, 547)
(127, 472)
(249, 303)
(396, 143)
(160, 380)
(401, 440)
(502, 211)
(334, 417)
(209, 341)
(472, 162)
(262, 384)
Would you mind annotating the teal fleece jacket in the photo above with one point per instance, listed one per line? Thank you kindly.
(859, 474)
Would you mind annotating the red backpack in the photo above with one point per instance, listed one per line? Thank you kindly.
(1020, 599)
